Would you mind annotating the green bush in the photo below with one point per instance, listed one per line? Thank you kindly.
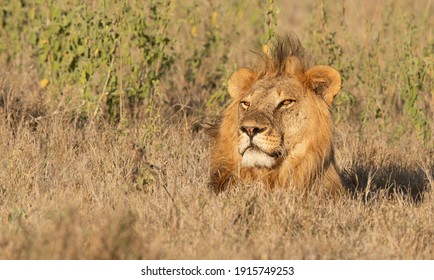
(132, 60)
(110, 55)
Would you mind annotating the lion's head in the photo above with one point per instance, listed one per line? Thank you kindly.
(278, 128)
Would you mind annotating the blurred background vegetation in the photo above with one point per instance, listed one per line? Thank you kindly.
(99, 160)
(157, 62)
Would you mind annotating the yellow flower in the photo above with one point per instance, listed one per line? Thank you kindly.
(44, 83)
(194, 31)
(214, 17)
(265, 49)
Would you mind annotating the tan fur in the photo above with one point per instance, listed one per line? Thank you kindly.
(278, 129)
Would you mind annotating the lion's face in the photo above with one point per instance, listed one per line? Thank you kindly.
(278, 129)
(277, 115)
(268, 114)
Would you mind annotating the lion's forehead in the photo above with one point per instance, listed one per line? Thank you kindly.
(274, 90)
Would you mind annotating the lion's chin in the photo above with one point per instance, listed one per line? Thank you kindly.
(257, 158)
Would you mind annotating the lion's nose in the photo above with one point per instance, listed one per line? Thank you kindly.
(251, 131)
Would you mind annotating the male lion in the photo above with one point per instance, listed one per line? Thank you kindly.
(278, 128)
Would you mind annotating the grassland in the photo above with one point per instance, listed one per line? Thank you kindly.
(102, 158)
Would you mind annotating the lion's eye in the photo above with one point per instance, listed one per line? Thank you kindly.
(286, 102)
(245, 105)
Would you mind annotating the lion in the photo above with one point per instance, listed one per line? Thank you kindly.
(278, 129)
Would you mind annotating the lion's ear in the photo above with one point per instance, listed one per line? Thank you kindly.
(324, 81)
(240, 82)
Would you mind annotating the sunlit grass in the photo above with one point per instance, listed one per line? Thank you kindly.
(79, 181)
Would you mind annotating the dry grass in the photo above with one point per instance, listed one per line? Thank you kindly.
(74, 189)
(96, 192)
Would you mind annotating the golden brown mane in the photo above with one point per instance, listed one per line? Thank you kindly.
(275, 64)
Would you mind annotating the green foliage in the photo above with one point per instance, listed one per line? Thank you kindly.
(209, 39)
(269, 26)
(385, 75)
(19, 30)
(213, 42)
(414, 76)
(108, 54)
(74, 46)
(127, 60)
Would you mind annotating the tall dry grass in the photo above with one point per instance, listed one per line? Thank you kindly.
(98, 193)
(89, 188)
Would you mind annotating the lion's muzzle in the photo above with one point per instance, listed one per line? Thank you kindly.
(259, 146)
